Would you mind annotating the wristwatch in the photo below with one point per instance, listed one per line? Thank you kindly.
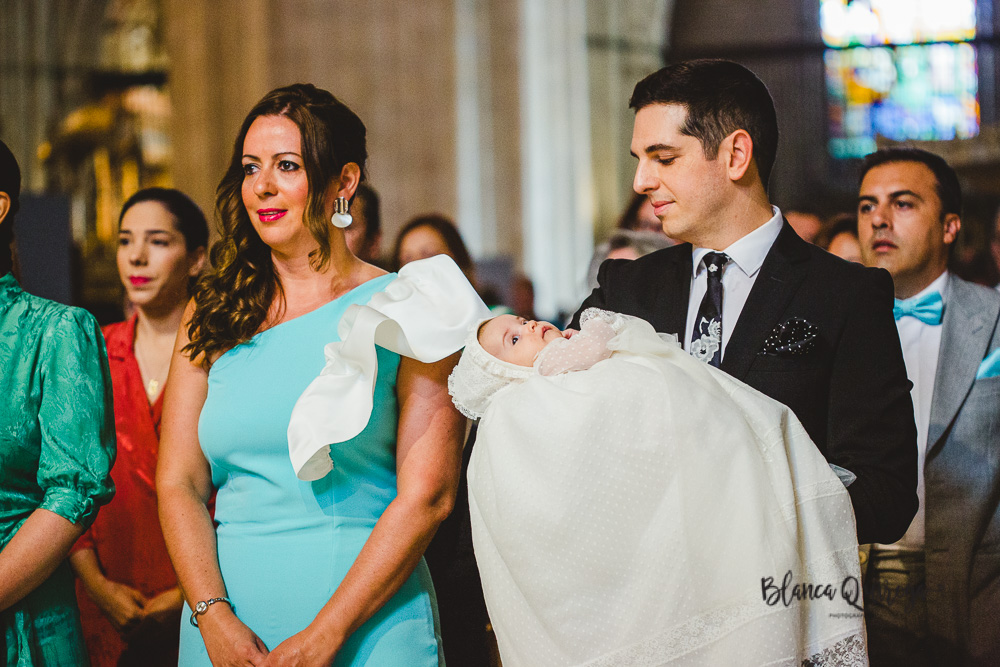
(202, 606)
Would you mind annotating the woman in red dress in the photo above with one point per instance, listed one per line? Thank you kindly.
(127, 590)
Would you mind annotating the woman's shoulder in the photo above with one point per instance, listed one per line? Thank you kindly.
(118, 333)
(53, 318)
(55, 333)
(371, 272)
(119, 339)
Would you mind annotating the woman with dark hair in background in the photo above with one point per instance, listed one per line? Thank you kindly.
(430, 235)
(325, 502)
(638, 217)
(57, 444)
(129, 600)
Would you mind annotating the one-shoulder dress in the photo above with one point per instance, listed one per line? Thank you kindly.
(285, 544)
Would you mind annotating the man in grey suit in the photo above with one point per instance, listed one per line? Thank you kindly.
(933, 598)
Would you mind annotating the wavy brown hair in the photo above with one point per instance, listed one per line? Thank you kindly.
(233, 300)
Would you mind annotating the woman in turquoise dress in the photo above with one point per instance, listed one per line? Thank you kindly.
(324, 566)
(57, 444)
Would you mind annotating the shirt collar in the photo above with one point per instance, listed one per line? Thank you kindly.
(120, 340)
(939, 285)
(747, 253)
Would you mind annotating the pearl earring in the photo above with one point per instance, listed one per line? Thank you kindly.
(341, 218)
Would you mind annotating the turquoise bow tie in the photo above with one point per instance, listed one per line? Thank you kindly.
(928, 309)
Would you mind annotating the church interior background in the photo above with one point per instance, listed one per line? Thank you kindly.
(509, 116)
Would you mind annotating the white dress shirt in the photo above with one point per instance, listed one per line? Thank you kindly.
(746, 255)
(921, 344)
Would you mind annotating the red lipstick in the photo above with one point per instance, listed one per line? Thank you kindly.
(138, 280)
(270, 214)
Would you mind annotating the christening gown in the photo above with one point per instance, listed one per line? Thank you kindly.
(57, 444)
(289, 532)
(634, 506)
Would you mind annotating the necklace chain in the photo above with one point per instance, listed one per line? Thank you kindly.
(152, 386)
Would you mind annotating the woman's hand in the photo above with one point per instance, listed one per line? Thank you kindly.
(230, 643)
(123, 605)
(304, 649)
(165, 607)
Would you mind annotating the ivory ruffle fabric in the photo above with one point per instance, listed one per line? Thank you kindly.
(424, 314)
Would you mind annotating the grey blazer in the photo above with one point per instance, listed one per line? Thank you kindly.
(962, 484)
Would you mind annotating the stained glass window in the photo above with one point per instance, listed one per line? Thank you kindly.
(899, 69)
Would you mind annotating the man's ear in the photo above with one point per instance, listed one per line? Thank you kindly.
(951, 223)
(739, 153)
(4, 206)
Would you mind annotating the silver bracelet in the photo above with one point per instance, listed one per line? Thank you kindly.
(202, 606)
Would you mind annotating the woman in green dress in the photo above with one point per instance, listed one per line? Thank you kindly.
(57, 444)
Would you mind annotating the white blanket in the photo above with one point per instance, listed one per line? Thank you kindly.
(634, 514)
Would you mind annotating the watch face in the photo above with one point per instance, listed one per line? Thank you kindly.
(201, 607)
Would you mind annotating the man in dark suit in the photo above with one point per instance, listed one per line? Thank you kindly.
(933, 597)
(745, 293)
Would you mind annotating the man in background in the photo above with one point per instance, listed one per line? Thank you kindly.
(933, 597)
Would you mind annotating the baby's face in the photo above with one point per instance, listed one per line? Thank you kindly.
(516, 340)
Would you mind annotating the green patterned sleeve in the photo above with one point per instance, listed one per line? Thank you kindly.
(76, 419)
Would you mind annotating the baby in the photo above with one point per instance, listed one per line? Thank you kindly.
(508, 349)
(517, 340)
(625, 497)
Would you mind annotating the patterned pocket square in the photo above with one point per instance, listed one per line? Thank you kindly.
(990, 368)
(792, 337)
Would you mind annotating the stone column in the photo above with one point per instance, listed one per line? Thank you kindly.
(556, 178)
(625, 42)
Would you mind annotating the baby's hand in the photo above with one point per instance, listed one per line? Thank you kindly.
(577, 351)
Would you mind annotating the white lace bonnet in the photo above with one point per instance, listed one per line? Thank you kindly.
(479, 375)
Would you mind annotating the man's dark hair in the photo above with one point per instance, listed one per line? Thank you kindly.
(720, 97)
(948, 189)
(10, 183)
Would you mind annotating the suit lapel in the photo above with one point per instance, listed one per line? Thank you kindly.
(780, 276)
(965, 338)
(672, 305)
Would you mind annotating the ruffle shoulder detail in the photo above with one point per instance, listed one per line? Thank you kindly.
(424, 313)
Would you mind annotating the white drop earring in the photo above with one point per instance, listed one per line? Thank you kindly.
(341, 218)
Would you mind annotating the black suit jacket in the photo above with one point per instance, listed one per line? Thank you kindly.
(850, 392)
